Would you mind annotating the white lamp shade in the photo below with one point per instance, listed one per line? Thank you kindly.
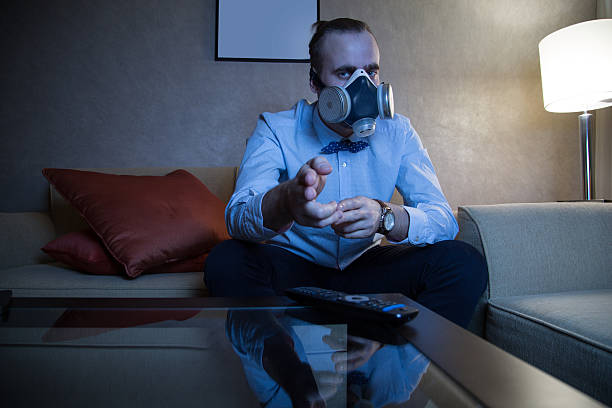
(576, 66)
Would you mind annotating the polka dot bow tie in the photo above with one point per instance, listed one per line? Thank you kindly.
(353, 147)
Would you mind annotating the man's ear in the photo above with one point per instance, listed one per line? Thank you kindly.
(316, 85)
(314, 88)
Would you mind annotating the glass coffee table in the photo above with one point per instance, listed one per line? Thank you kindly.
(220, 352)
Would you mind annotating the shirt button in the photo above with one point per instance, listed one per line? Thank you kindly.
(343, 164)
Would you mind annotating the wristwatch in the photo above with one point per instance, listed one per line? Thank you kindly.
(387, 218)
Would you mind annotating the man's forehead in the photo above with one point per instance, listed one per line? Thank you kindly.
(350, 49)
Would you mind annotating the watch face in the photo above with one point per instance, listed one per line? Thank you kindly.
(389, 221)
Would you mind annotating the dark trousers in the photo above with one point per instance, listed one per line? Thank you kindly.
(447, 277)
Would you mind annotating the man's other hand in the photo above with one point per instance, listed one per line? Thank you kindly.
(360, 217)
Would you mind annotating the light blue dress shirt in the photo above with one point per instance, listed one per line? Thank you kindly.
(395, 158)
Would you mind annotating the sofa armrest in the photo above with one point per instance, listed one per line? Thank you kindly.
(23, 234)
(542, 247)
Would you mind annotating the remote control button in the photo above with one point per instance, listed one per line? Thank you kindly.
(397, 305)
(356, 298)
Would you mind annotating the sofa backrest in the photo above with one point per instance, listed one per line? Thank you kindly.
(541, 247)
(23, 234)
(219, 180)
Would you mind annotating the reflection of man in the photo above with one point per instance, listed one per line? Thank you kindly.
(274, 360)
(276, 363)
(318, 200)
(377, 374)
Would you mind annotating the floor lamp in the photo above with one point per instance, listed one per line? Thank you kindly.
(576, 67)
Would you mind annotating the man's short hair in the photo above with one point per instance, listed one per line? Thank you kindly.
(321, 28)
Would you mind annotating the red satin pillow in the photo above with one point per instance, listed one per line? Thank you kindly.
(84, 251)
(145, 221)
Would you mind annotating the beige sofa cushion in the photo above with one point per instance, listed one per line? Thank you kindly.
(57, 280)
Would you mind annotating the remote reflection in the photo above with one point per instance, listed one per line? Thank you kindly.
(290, 361)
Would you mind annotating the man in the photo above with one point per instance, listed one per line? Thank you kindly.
(319, 202)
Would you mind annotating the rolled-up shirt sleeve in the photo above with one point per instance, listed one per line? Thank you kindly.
(431, 217)
(261, 169)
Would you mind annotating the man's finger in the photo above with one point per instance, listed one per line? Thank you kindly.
(320, 165)
(330, 220)
(349, 216)
(334, 342)
(310, 193)
(351, 204)
(322, 214)
(327, 377)
(348, 227)
(302, 190)
(307, 176)
(339, 356)
(318, 211)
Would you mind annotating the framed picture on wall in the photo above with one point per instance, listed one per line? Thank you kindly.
(265, 30)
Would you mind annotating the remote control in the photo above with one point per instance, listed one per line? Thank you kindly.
(353, 306)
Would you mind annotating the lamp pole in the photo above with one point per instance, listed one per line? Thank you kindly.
(586, 155)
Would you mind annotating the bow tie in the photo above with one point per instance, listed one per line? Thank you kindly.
(353, 147)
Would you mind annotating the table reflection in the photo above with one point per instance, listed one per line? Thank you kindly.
(290, 359)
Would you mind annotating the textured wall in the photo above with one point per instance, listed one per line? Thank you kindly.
(116, 83)
(112, 83)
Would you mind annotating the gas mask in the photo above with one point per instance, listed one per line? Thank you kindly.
(357, 103)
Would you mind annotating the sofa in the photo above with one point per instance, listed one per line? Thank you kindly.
(549, 298)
